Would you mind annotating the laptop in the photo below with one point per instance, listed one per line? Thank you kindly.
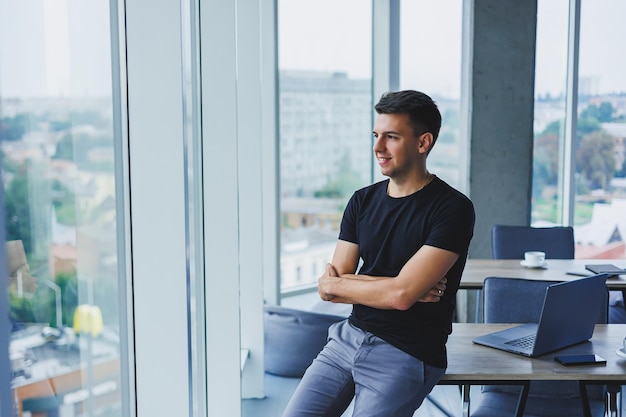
(568, 316)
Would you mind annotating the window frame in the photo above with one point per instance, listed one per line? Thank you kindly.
(153, 40)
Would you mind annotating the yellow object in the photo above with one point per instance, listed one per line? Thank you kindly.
(88, 319)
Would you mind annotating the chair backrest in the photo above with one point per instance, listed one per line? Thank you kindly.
(510, 242)
(517, 300)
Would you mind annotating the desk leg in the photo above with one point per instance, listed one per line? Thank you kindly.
(477, 316)
(613, 400)
(521, 401)
(465, 396)
(584, 398)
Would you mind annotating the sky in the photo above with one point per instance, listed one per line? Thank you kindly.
(61, 47)
(54, 47)
(309, 34)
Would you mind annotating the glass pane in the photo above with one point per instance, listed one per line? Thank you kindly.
(61, 198)
(325, 126)
(600, 211)
(550, 85)
(432, 64)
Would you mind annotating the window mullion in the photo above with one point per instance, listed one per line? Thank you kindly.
(568, 151)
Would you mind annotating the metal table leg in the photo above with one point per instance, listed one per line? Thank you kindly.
(613, 400)
(465, 398)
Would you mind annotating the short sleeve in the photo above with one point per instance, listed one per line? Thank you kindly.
(453, 226)
(348, 231)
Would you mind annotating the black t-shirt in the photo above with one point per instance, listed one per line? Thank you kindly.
(389, 231)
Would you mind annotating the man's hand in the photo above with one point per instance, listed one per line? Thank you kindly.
(329, 275)
(435, 293)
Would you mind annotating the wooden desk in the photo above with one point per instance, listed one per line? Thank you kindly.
(476, 270)
(471, 364)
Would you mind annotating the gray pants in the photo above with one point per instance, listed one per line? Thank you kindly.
(384, 381)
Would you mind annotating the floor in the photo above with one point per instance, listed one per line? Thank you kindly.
(444, 400)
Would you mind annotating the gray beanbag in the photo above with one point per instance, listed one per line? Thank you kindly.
(293, 338)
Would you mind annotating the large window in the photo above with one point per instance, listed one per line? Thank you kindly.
(60, 167)
(430, 61)
(598, 144)
(325, 106)
(549, 123)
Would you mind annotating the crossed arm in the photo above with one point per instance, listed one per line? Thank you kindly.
(339, 283)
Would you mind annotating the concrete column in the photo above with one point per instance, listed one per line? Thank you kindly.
(501, 89)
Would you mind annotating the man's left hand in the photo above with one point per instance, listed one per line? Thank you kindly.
(435, 293)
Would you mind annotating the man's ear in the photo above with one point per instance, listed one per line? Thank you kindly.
(425, 142)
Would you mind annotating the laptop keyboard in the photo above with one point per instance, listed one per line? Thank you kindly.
(523, 342)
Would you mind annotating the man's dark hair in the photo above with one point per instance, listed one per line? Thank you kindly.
(423, 113)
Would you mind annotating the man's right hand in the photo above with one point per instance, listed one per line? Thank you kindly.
(329, 274)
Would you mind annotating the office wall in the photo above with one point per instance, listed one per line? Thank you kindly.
(501, 117)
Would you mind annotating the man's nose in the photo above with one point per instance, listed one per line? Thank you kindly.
(378, 145)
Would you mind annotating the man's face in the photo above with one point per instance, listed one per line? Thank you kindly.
(395, 146)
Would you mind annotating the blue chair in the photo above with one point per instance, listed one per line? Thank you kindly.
(549, 399)
(510, 242)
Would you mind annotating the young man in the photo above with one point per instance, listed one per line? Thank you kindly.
(412, 232)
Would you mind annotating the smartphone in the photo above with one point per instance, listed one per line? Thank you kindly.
(605, 269)
(590, 359)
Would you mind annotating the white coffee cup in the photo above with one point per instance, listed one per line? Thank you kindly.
(625, 344)
(534, 258)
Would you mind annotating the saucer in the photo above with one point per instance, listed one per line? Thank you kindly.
(621, 352)
(527, 265)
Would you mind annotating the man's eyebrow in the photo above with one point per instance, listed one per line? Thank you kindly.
(386, 132)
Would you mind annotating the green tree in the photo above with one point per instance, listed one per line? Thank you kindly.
(595, 159)
(63, 201)
(76, 147)
(13, 128)
(586, 126)
(17, 211)
(9, 165)
(59, 125)
(65, 148)
(602, 113)
(20, 308)
(342, 186)
(554, 128)
(43, 302)
(546, 161)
